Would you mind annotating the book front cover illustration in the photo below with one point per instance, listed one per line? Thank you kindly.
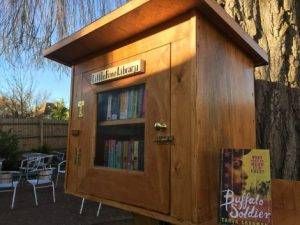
(245, 187)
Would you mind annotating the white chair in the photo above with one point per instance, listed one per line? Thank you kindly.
(82, 203)
(60, 170)
(45, 162)
(42, 179)
(1, 162)
(59, 156)
(7, 184)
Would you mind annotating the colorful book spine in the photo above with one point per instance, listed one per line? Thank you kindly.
(118, 158)
(125, 155)
(106, 150)
(140, 102)
(135, 155)
(122, 105)
(115, 106)
(109, 104)
(135, 103)
(141, 156)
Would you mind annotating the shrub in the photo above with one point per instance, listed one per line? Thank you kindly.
(9, 150)
(42, 149)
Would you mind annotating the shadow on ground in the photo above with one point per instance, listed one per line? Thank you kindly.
(64, 212)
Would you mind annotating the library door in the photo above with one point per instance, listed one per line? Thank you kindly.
(125, 134)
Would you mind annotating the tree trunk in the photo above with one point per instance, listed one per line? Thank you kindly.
(275, 26)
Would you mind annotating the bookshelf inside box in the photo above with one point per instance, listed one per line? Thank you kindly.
(198, 97)
(120, 131)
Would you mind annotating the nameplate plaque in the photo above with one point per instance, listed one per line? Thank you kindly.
(117, 72)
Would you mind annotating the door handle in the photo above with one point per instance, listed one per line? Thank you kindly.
(160, 126)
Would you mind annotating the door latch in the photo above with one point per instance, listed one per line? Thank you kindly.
(160, 126)
(164, 140)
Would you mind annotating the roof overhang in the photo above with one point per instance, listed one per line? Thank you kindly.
(140, 15)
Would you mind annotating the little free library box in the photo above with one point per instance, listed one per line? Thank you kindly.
(158, 88)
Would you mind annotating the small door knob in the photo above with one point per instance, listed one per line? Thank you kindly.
(160, 126)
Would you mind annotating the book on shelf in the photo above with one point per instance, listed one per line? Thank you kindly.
(127, 154)
(109, 103)
(125, 104)
(115, 106)
(135, 155)
(141, 156)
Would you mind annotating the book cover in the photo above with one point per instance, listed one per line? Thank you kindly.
(245, 187)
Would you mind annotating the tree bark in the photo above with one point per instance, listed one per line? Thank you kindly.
(275, 26)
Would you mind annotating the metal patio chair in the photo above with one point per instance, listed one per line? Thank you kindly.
(45, 162)
(28, 167)
(42, 179)
(61, 169)
(82, 204)
(9, 184)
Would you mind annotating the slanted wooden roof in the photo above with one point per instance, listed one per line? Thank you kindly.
(139, 15)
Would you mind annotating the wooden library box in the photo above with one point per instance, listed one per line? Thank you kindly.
(158, 87)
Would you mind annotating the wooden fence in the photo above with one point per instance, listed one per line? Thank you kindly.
(35, 132)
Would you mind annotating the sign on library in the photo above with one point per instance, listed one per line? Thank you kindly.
(129, 69)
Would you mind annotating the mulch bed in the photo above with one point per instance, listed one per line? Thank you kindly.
(64, 212)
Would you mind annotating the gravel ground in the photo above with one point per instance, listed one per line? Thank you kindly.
(63, 212)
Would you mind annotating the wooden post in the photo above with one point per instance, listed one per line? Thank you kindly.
(143, 220)
(41, 132)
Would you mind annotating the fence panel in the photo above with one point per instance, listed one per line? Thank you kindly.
(35, 132)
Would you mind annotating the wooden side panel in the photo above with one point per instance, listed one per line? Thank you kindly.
(286, 202)
(224, 112)
(182, 57)
(71, 182)
(286, 194)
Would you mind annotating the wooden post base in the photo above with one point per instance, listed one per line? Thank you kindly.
(143, 220)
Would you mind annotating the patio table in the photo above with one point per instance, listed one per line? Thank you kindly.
(32, 155)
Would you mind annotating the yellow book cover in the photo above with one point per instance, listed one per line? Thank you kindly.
(245, 187)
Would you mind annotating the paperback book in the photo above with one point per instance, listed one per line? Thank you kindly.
(245, 187)
(124, 154)
(128, 103)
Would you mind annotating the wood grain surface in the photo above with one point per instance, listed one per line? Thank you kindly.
(121, 25)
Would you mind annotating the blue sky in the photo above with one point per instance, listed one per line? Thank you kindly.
(57, 84)
(47, 79)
